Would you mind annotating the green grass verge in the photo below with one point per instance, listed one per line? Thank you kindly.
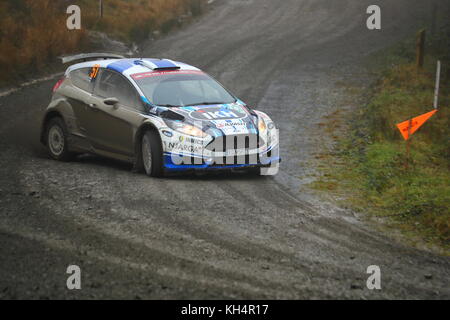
(368, 165)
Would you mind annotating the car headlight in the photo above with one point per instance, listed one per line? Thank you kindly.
(262, 125)
(186, 129)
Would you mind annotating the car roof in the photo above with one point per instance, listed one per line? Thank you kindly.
(131, 66)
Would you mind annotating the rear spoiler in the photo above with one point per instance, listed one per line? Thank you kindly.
(90, 56)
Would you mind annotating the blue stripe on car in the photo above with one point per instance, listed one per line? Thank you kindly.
(120, 66)
(162, 63)
(145, 100)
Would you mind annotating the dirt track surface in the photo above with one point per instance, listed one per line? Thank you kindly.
(214, 236)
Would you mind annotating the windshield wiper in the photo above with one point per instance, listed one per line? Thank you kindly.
(168, 106)
(203, 103)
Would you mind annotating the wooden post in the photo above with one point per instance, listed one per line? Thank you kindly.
(408, 144)
(420, 49)
(101, 8)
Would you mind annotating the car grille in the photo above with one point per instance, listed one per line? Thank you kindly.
(223, 161)
(229, 143)
(235, 142)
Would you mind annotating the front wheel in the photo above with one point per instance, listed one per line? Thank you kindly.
(265, 171)
(254, 171)
(152, 154)
(57, 140)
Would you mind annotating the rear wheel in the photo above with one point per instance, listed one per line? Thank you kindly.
(152, 159)
(57, 140)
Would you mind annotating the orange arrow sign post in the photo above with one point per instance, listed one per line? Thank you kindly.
(408, 127)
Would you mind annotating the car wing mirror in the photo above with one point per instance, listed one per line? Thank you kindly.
(111, 101)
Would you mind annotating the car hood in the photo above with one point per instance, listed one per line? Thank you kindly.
(221, 119)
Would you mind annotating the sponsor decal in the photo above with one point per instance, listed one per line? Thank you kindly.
(190, 140)
(229, 123)
(215, 113)
(183, 147)
(139, 76)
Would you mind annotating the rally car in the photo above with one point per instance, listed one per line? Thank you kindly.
(160, 115)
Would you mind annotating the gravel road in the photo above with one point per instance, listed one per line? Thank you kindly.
(215, 236)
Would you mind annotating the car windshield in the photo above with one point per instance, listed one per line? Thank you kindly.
(182, 88)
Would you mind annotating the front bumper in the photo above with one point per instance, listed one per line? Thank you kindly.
(268, 159)
(234, 151)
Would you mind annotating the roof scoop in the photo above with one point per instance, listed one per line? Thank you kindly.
(157, 64)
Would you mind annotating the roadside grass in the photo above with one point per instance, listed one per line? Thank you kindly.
(368, 168)
(33, 32)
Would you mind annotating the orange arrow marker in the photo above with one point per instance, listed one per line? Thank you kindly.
(408, 127)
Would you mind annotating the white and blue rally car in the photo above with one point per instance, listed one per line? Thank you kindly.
(161, 115)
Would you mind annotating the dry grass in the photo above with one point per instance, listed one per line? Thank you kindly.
(33, 32)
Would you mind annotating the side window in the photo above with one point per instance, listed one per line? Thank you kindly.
(112, 84)
(80, 78)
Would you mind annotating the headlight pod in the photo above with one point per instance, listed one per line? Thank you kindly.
(261, 125)
(185, 128)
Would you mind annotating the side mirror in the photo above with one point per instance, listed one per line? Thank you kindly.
(111, 101)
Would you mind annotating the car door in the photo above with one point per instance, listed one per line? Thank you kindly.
(79, 97)
(112, 128)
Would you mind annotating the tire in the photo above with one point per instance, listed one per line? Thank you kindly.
(264, 171)
(152, 157)
(254, 171)
(57, 141)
